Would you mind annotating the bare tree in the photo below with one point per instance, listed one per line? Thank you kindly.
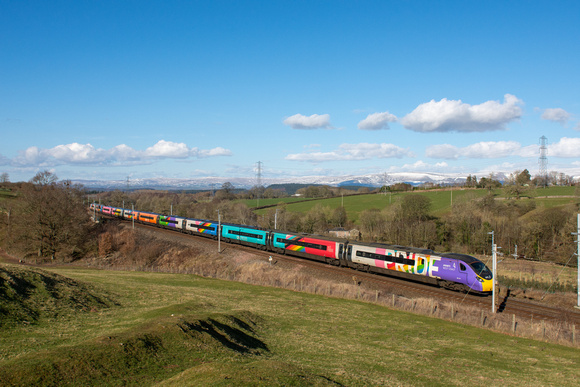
(51, 217)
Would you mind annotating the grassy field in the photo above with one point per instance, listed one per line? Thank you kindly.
(175, 329)
(441, 200)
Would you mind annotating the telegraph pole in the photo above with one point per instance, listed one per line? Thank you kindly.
(219, 231)
(494, 270)
(577, 233)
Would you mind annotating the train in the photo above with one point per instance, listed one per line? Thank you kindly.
(453, 271)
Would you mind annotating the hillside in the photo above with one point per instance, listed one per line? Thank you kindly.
(31, 296)
(178, 329)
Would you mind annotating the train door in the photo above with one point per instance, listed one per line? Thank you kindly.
(268, 241)
(462, 273)
(348, 255)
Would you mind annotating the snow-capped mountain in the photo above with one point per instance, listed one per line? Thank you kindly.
(371, 180)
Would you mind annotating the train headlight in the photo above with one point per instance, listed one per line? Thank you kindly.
(479, 279)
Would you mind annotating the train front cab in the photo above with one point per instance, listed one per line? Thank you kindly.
(470, 272)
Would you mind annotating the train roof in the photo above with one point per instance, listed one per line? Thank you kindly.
(307, 235)
(394, 247)
(461, 257)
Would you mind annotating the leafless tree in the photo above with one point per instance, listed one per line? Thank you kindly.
(51, 217)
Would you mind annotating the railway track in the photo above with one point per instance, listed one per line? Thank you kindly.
(523, 309)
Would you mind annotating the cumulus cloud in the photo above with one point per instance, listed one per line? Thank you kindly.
(76, 153)
(454, 115)
(168, 149)
(480, 150)
(346, 152)
(557, 115)
(315, 121)
(566, 147)
(376, 121)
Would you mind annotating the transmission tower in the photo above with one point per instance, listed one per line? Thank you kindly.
(259, 173)
(543, 161)
(259, 181)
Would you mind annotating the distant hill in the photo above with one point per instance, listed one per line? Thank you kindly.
(206, 183)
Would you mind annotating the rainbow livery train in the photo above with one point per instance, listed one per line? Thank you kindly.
(450, 270)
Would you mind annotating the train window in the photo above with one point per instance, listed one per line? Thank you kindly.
(462, 266)
(246, 234)
(366, 254)
(289, 242)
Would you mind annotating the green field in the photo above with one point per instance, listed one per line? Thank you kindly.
(441, 200)
(174, 329)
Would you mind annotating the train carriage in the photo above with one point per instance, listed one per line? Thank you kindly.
(147, 217)
(129, 214)
(118, 212)
(173, 222)
(399, 261)
(245, 235)
(324, 249)
(201, 227)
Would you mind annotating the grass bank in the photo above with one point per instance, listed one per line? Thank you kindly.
(177, 329)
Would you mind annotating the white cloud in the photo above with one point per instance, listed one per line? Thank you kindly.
(423, 166)
(566, 147)
(557, 115)
(450, 115)
(363, 151)
(376, 121)
(480, 150)
(168, 149)
(76, 153)
(219, 151)
(315, 121)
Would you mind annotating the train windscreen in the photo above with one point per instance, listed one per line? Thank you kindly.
(481, 270)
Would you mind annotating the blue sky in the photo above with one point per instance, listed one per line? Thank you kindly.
(110, 89)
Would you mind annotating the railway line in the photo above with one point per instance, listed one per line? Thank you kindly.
(507, 305)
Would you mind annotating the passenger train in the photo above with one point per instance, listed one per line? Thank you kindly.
(450, 270)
